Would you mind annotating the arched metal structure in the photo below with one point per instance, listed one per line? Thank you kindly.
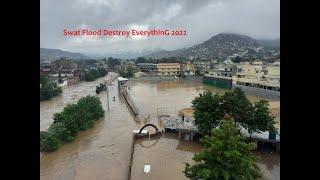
(147, 126)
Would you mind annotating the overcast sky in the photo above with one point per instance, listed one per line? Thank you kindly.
(202, 19)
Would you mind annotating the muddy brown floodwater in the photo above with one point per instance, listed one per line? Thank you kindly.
(103, 152)
(167, 155)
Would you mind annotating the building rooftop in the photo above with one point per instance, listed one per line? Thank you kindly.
(168, 64)
(216, 76)
(146, 64)
(175, 122)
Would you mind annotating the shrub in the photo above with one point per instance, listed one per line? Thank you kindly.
(94, 74)
(100, 87)
(48, 142)
(61, 132)
(68, 117)
(70, 121)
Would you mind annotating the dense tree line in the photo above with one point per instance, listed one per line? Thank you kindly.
(100, 87)
(93, 74)
(48, 88)
(211, 109)
(66, 124)
(226, 153)
(112, 62)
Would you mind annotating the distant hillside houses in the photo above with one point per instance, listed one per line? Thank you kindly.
(67, 71)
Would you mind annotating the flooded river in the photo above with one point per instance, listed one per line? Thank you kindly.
(103, 152)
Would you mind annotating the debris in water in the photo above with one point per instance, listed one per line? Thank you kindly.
(147, 168)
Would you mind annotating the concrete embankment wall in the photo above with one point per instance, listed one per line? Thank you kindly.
(218, 81)
(131, 157)
(129, 101)
(136, 137)
(259, 92)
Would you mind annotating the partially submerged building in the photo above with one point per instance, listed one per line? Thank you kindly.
(148, 67)
(188, 69)
(259, 80)
(186, 129)
(183, 125)
(168, 69)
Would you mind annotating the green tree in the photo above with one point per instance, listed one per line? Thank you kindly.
(100, 87)
(207, 111)
(225, 156)
(113, 62)
(130, 72)
(89, 76)
(236, 105)
(69, 117)
(48, 142)
(197, 72)
(60, 132)
(93, 74)
(92, 108)
(237, 59)
(126, 72)
(48, 88)
(261, 119)
(72, 119)
(141, 60)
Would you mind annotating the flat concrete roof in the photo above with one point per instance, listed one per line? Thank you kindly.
(216, 76)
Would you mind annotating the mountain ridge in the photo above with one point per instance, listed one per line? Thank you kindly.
(54, 54)
(224, 45)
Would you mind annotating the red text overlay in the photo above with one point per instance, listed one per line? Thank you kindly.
(124, 33)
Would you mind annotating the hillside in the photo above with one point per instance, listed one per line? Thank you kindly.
(227, 45)
(53, 54)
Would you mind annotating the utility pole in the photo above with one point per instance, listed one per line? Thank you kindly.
(108, 99)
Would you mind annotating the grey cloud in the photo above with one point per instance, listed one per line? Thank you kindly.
(202, 19)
